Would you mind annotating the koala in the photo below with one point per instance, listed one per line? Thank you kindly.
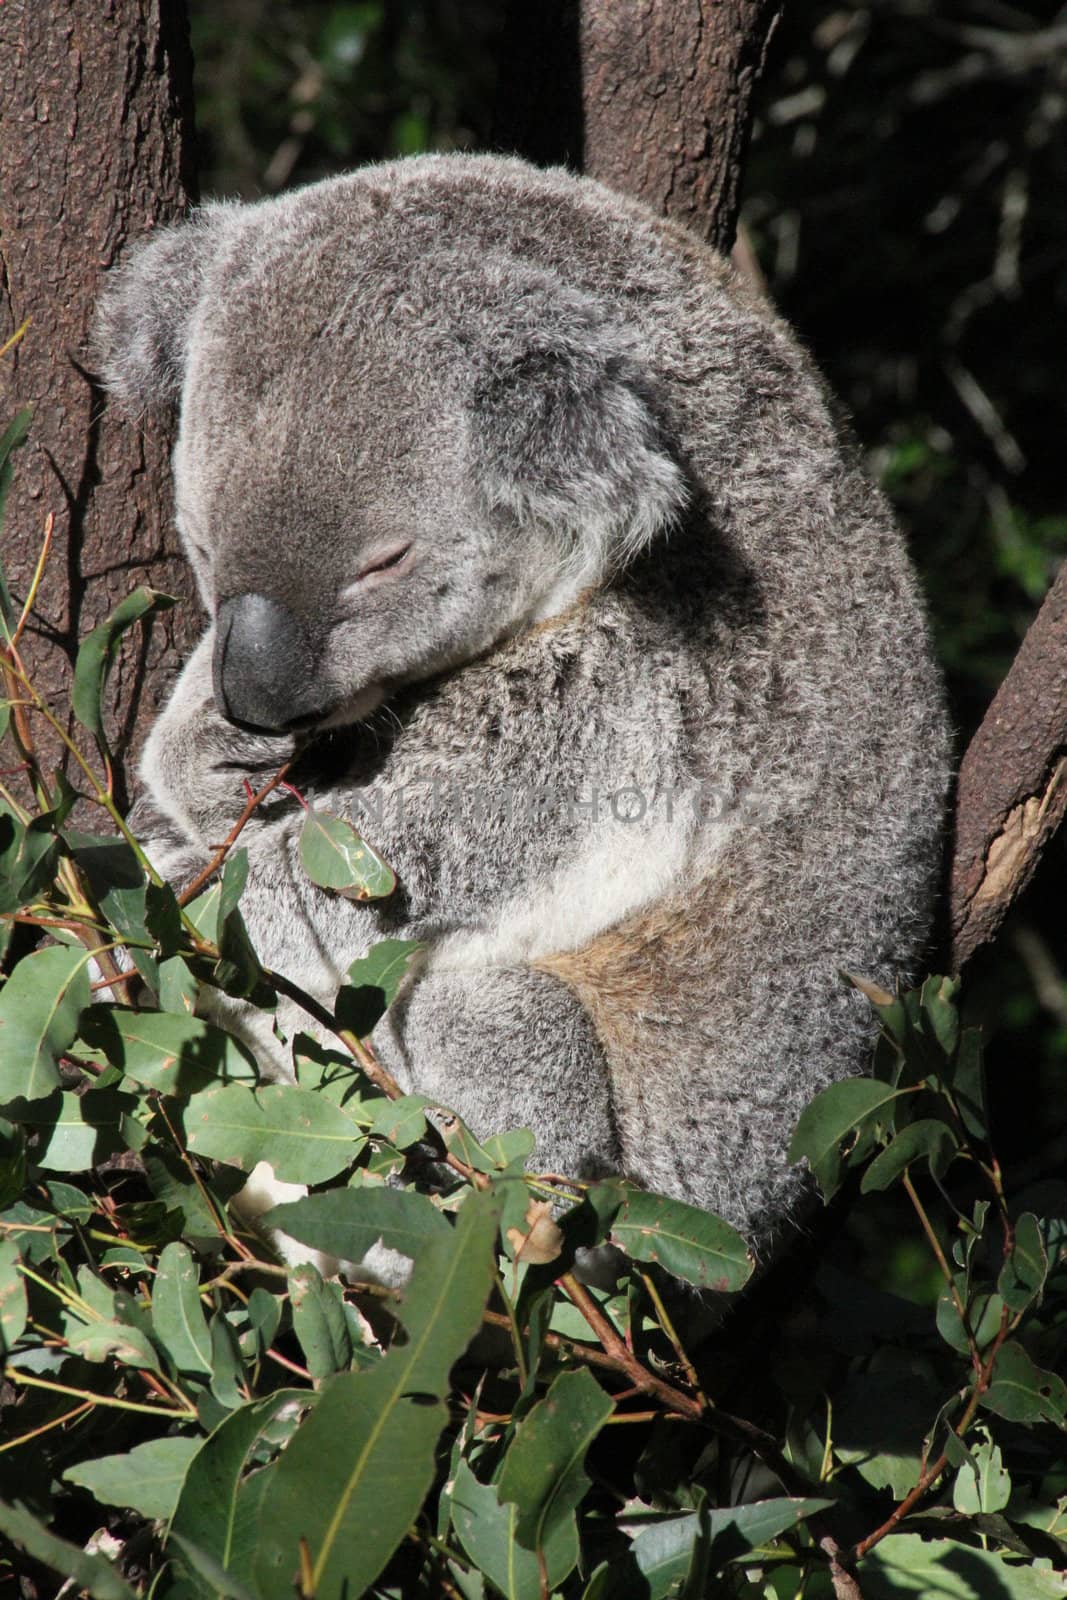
(524, 528)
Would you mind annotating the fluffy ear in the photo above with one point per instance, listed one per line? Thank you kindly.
(566, 430)
(142, 321)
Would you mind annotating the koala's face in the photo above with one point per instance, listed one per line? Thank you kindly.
(396, 446)
(337, 531)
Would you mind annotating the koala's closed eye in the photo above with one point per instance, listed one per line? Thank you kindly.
(392, 560)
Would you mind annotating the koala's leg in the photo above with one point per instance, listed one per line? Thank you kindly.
(508, 1047)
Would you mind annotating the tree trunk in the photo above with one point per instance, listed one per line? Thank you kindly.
(95, 99)
(654, 98)
(1013, 782)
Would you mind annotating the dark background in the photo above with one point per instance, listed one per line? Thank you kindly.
(905, 201)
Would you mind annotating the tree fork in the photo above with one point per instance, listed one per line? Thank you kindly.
(97, 149)
(654, 98)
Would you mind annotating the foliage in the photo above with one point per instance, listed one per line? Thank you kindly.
(187, 1415)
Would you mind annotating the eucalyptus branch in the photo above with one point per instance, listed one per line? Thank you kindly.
(191, 890)
(930, 1475)
(684, 1405)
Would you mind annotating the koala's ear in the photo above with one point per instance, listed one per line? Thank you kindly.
(139, 334)
(566, 430)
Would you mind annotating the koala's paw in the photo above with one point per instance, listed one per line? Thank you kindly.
(200, 775)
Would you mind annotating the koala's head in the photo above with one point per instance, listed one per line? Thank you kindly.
(388, 457)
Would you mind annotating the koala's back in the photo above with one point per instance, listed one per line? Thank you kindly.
(723, 751)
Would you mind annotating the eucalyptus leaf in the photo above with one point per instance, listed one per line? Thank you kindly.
(29, 855)
(178, 1320)
(543, 1471)
(336, 857)
(79, 1131)
(13, 1307)
(1021, 1391)
(319, 1322)
(356, 1472)
(486, 1530)
(39, 1009)
(98, 650)
(1025, 1268)
(373, 983)
(830, 1127)
(981, 1483)
(303, 1137)
(926, 1140)
(346, 1223)
(690, 1243)
(905, 1564)
(94, 1574)
(169, 1051)
(147, 1478)
(216, 1498)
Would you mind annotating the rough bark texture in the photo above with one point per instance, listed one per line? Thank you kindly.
(1013, 782)
(96, 149)
(652, 97)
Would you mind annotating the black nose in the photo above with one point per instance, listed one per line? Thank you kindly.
(264, 665)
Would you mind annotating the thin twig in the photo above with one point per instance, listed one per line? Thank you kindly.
(685, 1405)
(929, 1477)
(191, 890)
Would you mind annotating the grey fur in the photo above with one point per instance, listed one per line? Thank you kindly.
(643, 561)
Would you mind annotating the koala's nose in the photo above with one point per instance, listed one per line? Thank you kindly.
(264, 665)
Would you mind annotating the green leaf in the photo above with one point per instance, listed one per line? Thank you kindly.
(543, 1472)
(983, 1309)
(1022, 1391)
(1025, 1269)
(829, 1128)
(938, 1003)
(907, 1564)
(981, 1484)
(147, 1478)
(39, 1008)
(356, 1472)
(13, 1309)
(94, 1574)
(660, 1555)
(346, 1223)
(903, 1393)
(104, 1341)
(178, 1320)
(29, 855)
(228, 1380)
(264, 1317)
(217, 1503)
(98, 650)
(486, 1531)
(303, 1136)
(968, 1084)
(221, 1585)
(402, 1122)
(926, 1140)
(319, 1322)
(687, 1242)
(78, 1131)
(336, 857)
(169, 1051)
(373, 983)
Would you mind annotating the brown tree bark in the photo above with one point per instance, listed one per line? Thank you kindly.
(96, 149)
(1012, 793)
(654, 97)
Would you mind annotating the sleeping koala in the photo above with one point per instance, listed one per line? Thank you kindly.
(523, 524)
